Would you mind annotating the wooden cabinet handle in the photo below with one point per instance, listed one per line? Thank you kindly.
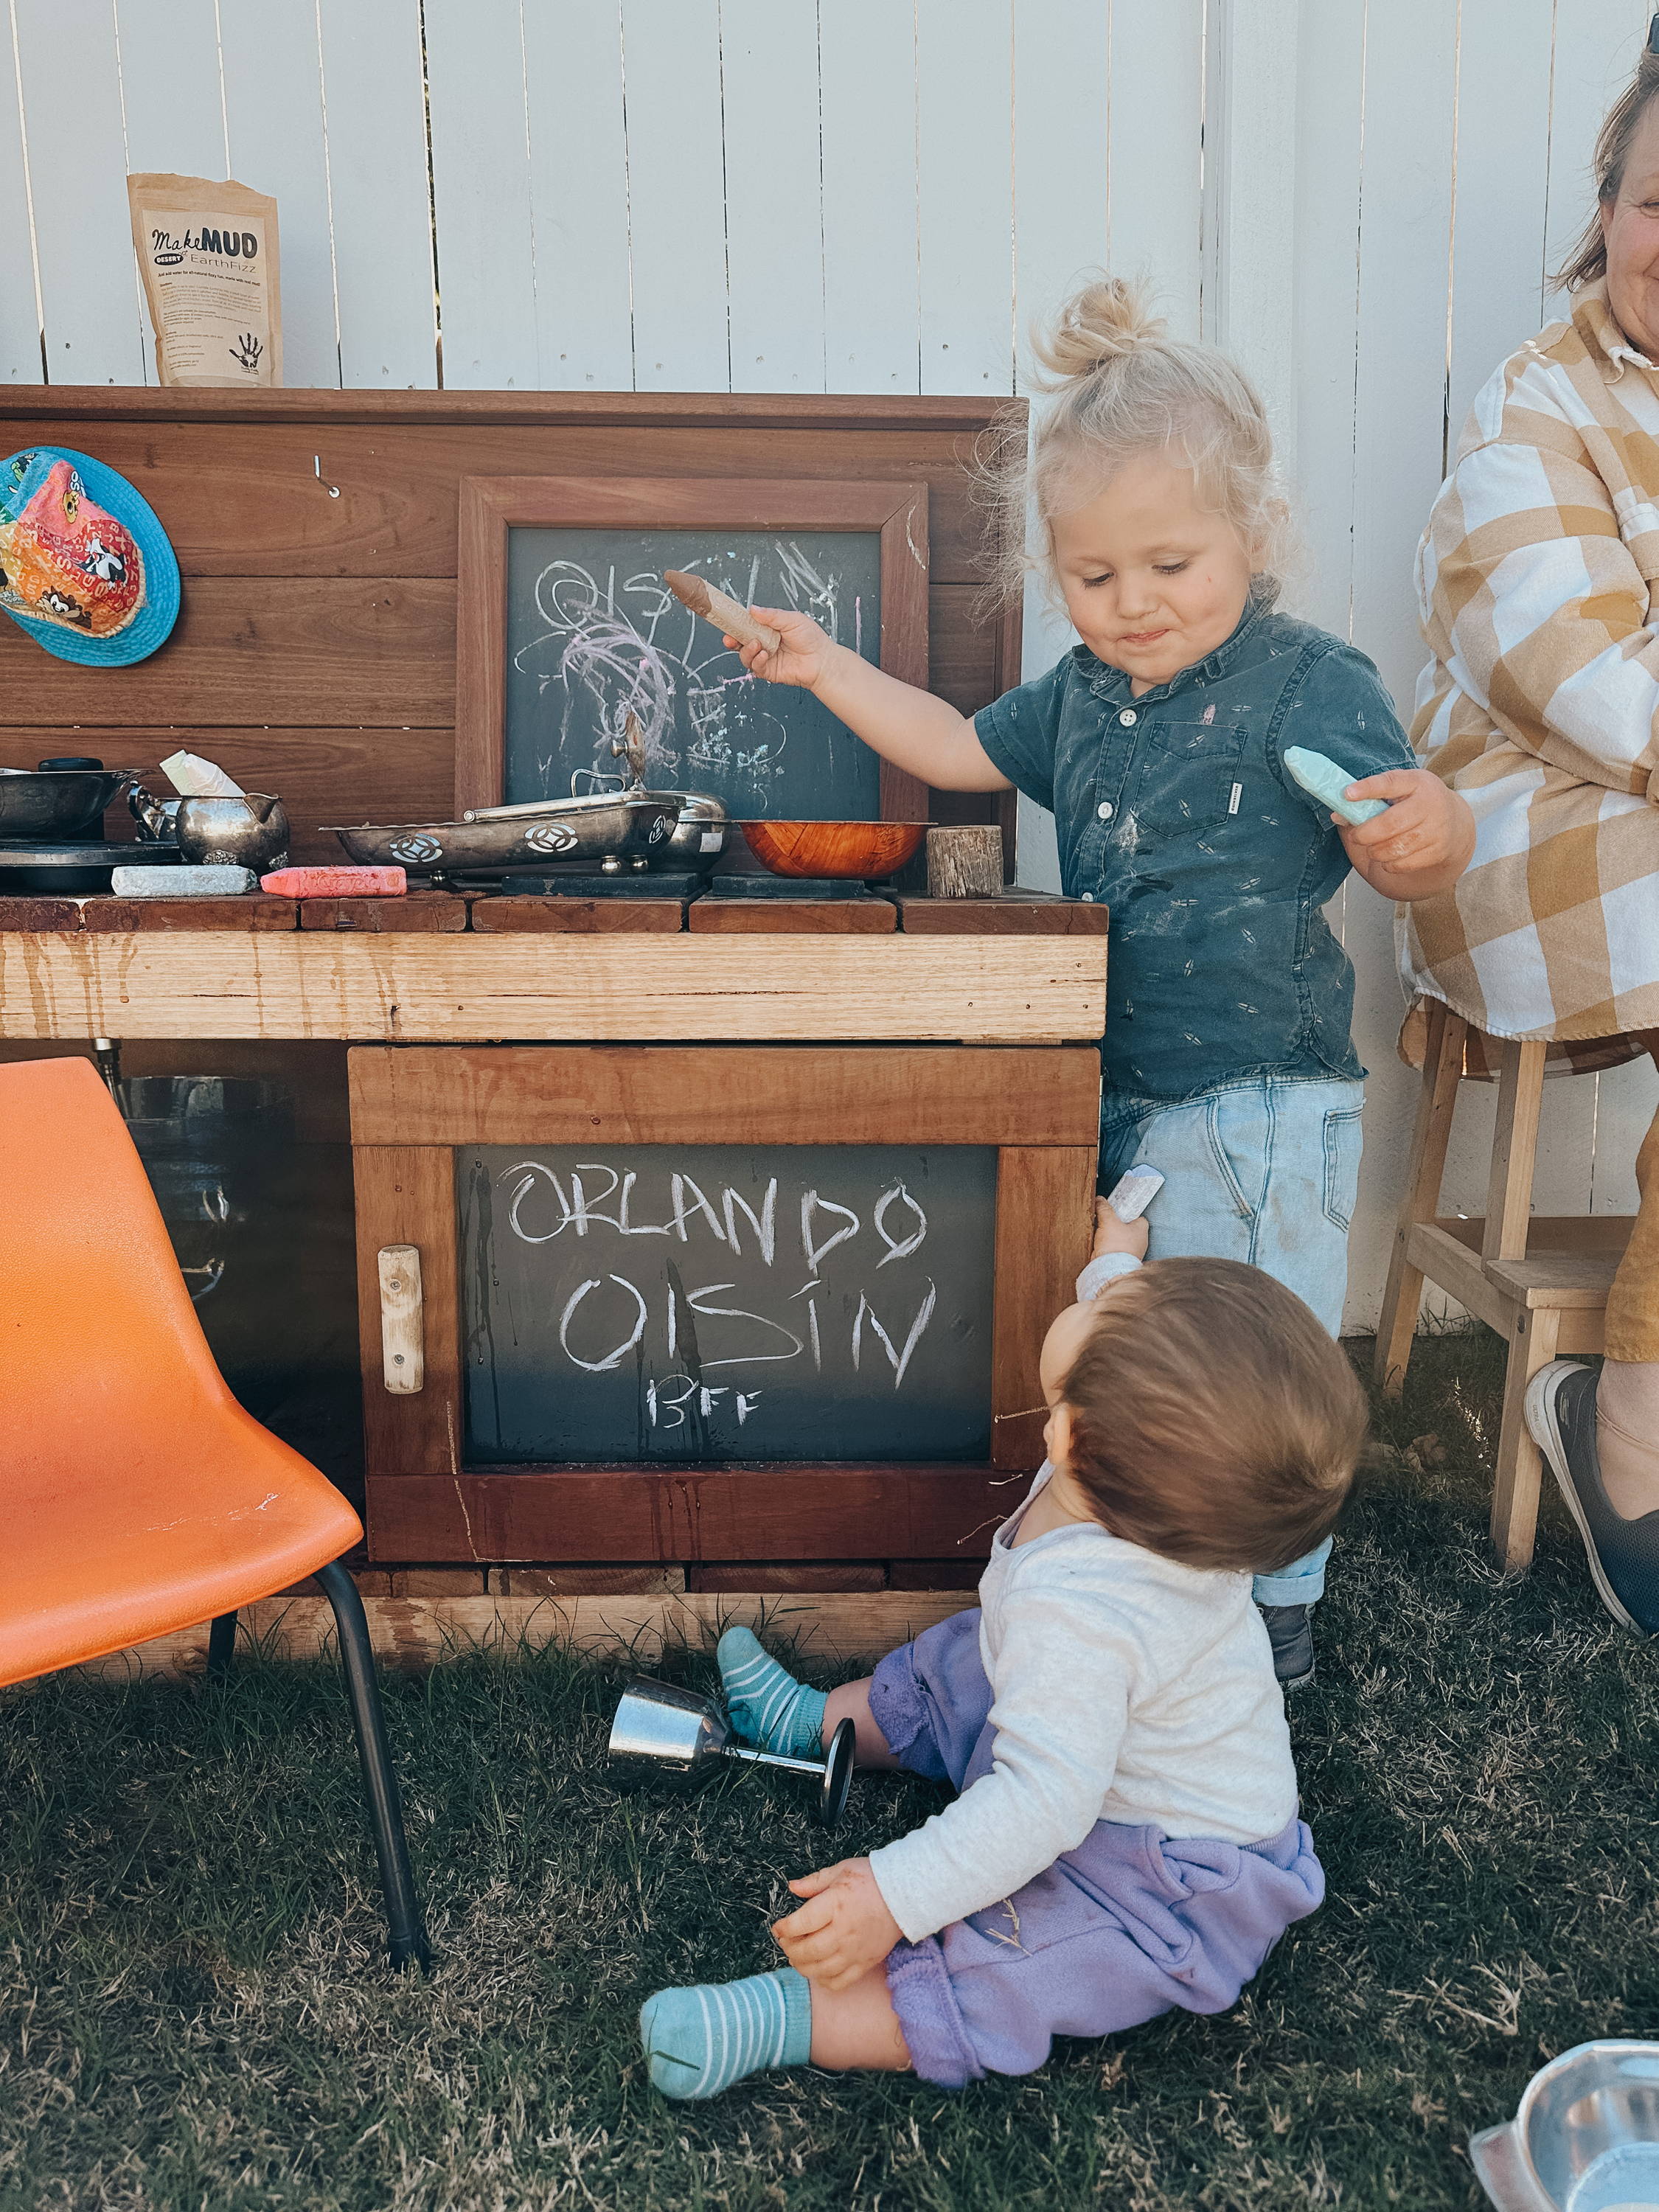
(402, 1336)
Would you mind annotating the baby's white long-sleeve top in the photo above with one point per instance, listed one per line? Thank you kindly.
(1126, 1687)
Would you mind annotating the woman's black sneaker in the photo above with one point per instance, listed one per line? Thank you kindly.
(1624, 1555)
(1290, 1631)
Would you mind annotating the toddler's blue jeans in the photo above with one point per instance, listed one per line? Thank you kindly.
(1262, 1169)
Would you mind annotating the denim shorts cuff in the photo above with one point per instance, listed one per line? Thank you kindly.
(927, 2006)
(1290, 1590)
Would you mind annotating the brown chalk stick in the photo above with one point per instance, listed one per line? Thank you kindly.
(701, 596)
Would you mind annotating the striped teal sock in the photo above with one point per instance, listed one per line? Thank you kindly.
(699, 2041)
(769, 1706)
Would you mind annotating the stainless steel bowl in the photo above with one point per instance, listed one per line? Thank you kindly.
(1585, 2138)
(612, 830)
(59, 803)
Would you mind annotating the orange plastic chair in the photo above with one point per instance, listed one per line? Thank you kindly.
(138, 1498)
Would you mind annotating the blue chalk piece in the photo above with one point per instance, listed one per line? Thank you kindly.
(1327, 781)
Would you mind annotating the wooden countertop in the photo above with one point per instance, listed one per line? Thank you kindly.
(1025, 968)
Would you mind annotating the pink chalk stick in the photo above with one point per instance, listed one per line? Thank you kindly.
(336, 883)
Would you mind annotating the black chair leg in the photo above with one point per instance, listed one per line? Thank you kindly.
(408, 1937)
(221, 1643)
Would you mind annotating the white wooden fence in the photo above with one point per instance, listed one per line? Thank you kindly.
(1361, 196)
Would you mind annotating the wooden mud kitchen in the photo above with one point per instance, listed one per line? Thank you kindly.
(706, 1227)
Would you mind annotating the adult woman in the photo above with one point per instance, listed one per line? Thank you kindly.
(1537, 583)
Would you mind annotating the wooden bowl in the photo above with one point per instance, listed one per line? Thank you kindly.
(858, 851)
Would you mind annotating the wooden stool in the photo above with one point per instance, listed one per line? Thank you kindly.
(1542, 1283)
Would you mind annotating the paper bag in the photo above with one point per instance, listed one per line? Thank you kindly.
(208, 256)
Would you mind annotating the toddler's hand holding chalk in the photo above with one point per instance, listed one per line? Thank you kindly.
(726, 614)
(1420, 842)
(1325, 781)
(1405, 832)
(803, 652)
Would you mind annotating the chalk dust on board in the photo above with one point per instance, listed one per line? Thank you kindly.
(594, 635)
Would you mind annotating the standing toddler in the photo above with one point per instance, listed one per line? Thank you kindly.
(1158, 743)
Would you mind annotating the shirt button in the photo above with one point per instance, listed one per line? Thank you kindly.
(1127, 718)
(1088, 898)
(1104, 810)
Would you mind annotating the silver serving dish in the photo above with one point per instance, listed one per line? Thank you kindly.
(1585, 2137)
(613, 831)
(696, 841)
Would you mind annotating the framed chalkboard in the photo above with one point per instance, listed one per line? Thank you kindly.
(725, 1301)
(565, 630)
(730, 1303)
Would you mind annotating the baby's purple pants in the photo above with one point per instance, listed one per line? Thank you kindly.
(1115, 1932)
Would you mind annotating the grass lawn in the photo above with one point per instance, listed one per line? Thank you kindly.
(193, 2012)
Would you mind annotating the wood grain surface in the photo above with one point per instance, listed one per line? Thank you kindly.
(396, 512)
(773, 917)
(973, 990)
(38, 913)
(405, 1194)
(411, 1108)
(964, 660)
(314, 652)
(506, 914)
(1014, 913)
(736, 1094)
(746, 412)
(250, 912)
(324, 775)
(415, 1633)
(418, 913)
(1036, 1275)
(762, 1512)
(296, 501)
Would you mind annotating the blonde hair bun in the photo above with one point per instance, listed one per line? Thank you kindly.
(1105, 322)
(1124, 386)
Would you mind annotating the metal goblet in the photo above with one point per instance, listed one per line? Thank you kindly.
(672, 1728)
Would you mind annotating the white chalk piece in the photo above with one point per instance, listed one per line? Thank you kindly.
(212, 880)
(192, 777)
(1134, 1192)
(1327, 781)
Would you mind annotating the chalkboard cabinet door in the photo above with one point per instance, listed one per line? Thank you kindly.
(716, 1303)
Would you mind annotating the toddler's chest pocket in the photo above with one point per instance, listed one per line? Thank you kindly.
(1190, 778)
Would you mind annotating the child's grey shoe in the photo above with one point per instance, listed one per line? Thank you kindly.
(1290, 1631)
(1624, 1555)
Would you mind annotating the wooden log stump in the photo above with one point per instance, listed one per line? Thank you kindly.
(964, 863)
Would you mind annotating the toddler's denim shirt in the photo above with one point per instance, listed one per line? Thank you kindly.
(1176, 810)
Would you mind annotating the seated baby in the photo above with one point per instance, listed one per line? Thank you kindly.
(1126, 1837)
